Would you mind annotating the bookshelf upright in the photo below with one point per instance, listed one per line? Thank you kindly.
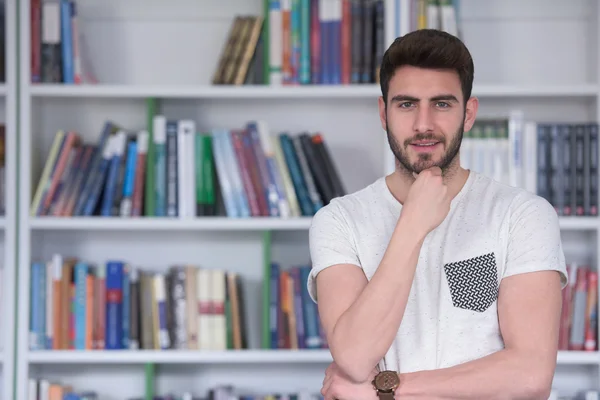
(8, 197)
(160, 60)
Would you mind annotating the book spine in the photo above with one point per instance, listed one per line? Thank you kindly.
(80, 304)
(130, 180)
(298, 308)
(67, 41)
(140, 175)
(160, 166)
(34, 307)
(305, 72)
(336, 42)
(36, 40)
(134, 310)
(172, 173)
(593, 128)
(315, 42)
(100, 316)
(164, 341)
(114, 305)
(311, 188)
(51, 57)
(227, 187)
(209, 183)
(270, 191)
(295, 22)
(275, 43)
(178, 297)
(345, 42)
(234, 172)
(117, 144)
(125, 310)
(244, 168)
(89, 307)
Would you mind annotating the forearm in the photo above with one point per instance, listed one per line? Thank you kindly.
(366, 330)
(507, 374)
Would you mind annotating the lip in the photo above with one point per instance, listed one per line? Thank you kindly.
(425, 146)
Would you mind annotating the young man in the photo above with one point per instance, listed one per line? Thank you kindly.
(449, 281)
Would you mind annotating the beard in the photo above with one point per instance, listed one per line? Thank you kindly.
(426, 160)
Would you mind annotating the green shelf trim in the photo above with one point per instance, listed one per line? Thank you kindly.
(149, 377)
(266, 244)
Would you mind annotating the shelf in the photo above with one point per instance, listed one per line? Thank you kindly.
(280, 92)
(206, 92)
(579, 223)
(583, 90)
(169, 224)
(216, 223)
(228, 357)
(578, 357)
(179, 357)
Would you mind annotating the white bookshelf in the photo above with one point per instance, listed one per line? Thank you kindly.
(8, 116)
(151, 55)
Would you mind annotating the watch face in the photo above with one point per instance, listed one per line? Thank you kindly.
(387, 380)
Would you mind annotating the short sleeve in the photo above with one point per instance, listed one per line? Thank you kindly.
(534, 241)
(331, 242)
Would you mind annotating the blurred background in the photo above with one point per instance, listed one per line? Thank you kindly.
(160, 163)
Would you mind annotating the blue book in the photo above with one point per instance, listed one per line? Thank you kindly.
(114, 305)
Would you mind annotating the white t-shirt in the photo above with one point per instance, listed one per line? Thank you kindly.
(492, 231)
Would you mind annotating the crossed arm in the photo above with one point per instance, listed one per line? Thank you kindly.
(529, 312)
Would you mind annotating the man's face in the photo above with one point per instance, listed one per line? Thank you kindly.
(425, 118)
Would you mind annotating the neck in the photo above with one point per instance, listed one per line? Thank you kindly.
(400, 181)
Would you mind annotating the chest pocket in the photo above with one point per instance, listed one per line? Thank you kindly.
(473, 282)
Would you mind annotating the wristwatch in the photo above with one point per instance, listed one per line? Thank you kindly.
(385, 383)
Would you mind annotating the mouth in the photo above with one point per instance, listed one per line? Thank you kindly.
(425, 145)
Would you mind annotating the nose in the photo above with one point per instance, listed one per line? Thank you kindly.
(423, 121)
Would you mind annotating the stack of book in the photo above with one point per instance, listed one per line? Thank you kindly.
(177, 171)
(80, 305)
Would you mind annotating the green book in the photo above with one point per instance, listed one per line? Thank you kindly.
(149, 185)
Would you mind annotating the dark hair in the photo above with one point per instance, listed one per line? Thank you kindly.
(428, 48)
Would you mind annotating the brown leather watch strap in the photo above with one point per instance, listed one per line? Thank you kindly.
(385, 395)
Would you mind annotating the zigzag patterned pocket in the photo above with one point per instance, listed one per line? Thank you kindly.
(473, 282)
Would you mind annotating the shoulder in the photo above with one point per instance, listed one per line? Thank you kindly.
(512, 203)
(531, 227)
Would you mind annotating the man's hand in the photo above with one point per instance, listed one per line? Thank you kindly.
(337, 386)
(428, 201)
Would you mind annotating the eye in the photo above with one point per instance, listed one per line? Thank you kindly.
(405, 104)
(442, 104)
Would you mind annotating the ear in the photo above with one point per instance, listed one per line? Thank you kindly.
(382, 116)
(471, 113)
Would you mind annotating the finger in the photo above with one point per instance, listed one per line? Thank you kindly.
(327, 394)
(331, 394)
(327, 380)
(326, 385)
(436, 171)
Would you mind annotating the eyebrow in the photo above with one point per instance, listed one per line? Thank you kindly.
(403, 97)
